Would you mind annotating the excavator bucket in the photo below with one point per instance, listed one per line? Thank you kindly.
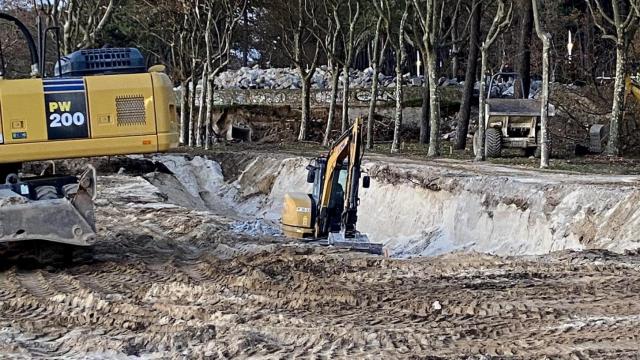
(68, 220)
(358, 242)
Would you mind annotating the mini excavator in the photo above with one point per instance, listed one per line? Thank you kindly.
(330, 213)
(98, 102)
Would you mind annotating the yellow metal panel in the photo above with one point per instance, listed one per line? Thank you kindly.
(168, 141)
(296, 232)
(11, 153)
(165, 102)
(23, 113)
(297, 211)
(121, 105)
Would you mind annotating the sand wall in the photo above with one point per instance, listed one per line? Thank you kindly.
(419, 208)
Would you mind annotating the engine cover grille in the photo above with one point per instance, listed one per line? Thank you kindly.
(130, 110)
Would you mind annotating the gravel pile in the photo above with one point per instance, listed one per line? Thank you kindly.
(255, 228)
(287, 78)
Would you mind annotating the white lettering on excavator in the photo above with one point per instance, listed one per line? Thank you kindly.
(304, 210)
(66, 119)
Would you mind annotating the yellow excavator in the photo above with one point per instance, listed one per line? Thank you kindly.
(98, 102)
(633, 87)
(329, 215)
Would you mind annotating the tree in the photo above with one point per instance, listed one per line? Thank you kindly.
(340, 46)
(501, 20)
(218, 41)
(351, 40)
(470, 76)
(623, 20)
(300, 46)
(416, 41)
(545, 37)
(386, 9)
(375, 60)
(432, 15)
(523, 56)
(329, 37)
(82, 21)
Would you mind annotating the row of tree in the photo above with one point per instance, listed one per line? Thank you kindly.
(200, 38)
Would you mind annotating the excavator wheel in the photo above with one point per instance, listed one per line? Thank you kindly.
(493, 143)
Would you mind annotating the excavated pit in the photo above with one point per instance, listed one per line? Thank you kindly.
(428, 209)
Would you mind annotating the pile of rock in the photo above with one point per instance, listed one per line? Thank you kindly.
(287, 78)
(255, 228)
(506, 88)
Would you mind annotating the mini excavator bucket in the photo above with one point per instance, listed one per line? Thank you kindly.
(60, 213)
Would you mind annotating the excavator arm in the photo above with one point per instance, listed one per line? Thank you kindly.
(348, 149)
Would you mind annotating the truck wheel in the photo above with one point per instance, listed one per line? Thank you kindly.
(493, 143)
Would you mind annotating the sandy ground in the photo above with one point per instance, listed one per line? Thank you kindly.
(168, 282)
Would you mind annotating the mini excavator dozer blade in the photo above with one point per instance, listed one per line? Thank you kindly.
(358, 242)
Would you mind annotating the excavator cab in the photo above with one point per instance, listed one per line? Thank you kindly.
(329, 213)
(336, 205)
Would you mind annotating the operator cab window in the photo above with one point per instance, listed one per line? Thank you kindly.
(336, 201)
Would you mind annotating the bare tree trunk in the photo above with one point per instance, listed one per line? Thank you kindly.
(372, 106)
(335, 79)
(345, 96)
(184, 112)
(306, 106)
(424, 114)
(470, 77)
(544, 99)
(454, 49)
(482, 121)
(375, 65)
(625, 26)
(246, 37)
(395, 146)
(349, 52)
(207, 82)
(501, 20)
(613, 146)
(209, 114)
(523, 57)
(545, 37)
(434, 96)
(192, 106)
(401, 54)
(202, 108)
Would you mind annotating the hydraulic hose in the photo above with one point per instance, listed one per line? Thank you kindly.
(35, 62)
